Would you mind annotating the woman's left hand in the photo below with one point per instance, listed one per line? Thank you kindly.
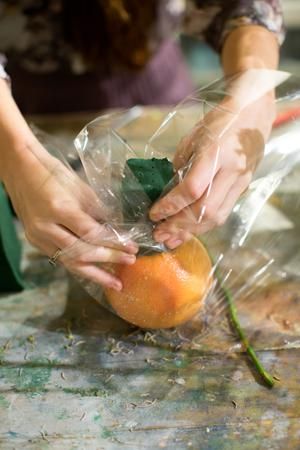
(216, 167)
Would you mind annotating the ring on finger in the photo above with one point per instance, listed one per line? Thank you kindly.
(55, 257)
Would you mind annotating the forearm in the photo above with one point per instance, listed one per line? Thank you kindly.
(252, 47)
(15, 135)
(249, 47)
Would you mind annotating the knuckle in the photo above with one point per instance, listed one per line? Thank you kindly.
(220, 219)
(32, 238)
(106, 255)
(32, 230)
(80, 258)
(58, 206)
(192, 189)
(213, 217)
(87, 234)
(239, 164)
(55, 205)
(90, 230)
(72, 266)
(209, 213)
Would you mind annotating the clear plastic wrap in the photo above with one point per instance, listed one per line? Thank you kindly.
(254, 254)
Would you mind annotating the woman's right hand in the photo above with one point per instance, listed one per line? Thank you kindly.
(59, 211)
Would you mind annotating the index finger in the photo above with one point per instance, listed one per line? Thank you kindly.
(197, 180)
(89, 230)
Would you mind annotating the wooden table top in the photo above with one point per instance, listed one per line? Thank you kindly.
(74, 376)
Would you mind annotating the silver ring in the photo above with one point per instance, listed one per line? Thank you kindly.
(54, 258)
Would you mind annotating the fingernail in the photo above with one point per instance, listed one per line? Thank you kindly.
(132, 248)
(174, 243)
(161, 236)
(161, 213)
(154, 210)
(129, 259)
(116, 285)
(156, 213)
(155, 216)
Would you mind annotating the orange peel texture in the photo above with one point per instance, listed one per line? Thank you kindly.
(163, 290)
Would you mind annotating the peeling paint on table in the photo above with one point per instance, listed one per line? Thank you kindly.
(69, 387)
(74, 376)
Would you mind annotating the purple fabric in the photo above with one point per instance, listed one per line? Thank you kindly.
(164, 81)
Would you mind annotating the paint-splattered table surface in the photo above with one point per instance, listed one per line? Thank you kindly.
(74, 376)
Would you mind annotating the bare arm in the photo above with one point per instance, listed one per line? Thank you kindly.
(55, 206)
(249, 47)
(188, 208)
(15, 135)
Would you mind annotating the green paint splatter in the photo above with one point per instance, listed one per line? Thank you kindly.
(181, 363)
(3, 402)
(13, 434)
(97, 417)
(106, 433)
(29, 379)
(64, 414)
(53, 362)
(88, 392)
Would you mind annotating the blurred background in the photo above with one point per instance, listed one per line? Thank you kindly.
(204, 63)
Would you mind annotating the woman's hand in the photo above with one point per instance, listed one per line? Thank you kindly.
(220, 165)
(57, 209)
(215, 168)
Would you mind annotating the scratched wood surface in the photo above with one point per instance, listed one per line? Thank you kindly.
(74, 376)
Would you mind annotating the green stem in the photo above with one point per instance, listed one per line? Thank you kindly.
(268, 379)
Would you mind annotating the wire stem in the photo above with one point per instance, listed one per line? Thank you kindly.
(268, 379)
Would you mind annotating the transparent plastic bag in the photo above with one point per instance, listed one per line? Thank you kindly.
(242, 258)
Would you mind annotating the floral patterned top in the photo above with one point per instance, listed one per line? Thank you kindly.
(31, 30)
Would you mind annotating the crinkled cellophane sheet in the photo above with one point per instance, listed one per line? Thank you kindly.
(264, 271)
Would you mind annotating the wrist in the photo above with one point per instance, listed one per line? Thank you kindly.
(249, 47)
(18, 156)
(235, 101)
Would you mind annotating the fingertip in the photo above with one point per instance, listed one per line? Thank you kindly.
(116, 285)
(128, 259)
(132, 261)
(174, 243)
(157, 212)
(131, 247)
(154, 216)
(167, 230)
(135, 250)
(161, 236)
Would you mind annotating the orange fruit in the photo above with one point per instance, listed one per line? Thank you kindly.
(163, 290)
